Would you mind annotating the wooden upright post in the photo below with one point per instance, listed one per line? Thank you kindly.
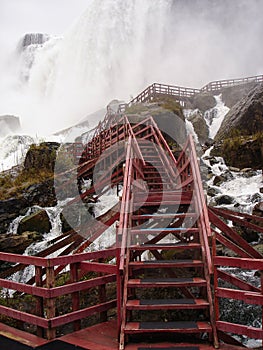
(75, 295)
(51, 307)
(39, 300)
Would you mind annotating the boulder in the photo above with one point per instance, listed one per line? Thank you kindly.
(41, 157)
(168, 115)
(18, 243)
(224, 199)
(42, 194)
(9, 210)
(200, 126)
(38, 222)
(245, 117)
(241, 151)
(203, 101)
(211, 191)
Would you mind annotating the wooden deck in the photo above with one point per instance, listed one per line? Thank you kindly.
(102, 336)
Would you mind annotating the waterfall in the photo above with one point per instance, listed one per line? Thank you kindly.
(115, 49)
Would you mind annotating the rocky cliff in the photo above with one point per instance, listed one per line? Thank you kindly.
(245, 117)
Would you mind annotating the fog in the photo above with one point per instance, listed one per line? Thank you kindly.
(118, 47)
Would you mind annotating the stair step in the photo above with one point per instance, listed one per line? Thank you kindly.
(166, 246)
(163, 202)
(167, 282)
(166, 263)
(150, 347)
(175, 327)
(167, 304)
(164, 229)
(164, 216)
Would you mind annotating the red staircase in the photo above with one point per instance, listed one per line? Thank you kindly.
(167, 262)
(161, 262)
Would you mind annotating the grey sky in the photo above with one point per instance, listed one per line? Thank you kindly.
(18, 17)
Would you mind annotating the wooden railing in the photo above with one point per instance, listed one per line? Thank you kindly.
(246, 258)
(45, 292)
(245, 292)
(220, 84)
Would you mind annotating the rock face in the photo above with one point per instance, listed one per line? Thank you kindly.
(41, 157)
(38, 158)
(168, 115)
(33, 39)
(234, 94)
(203, 101)
(18, 243)
(9, 210)
(246, 117)
(38, 222)
(9, 123)
(200, 126)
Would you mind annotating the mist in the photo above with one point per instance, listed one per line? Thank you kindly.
(118, 47)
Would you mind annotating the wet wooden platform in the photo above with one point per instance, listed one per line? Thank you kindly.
(102, 336)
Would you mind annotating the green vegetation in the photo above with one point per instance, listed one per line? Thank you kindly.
(168, 102)
(237, 140)
(243, 151)
(13, 186)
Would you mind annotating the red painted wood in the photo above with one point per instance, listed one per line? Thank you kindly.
(21, 337)
(236, 281)
(134, 327)
(244, 263)
(250, 332)
(159, 246)
(167, 283)
(232, 234)
(248, 297)
(77, 315)
(23, 316)
(136, 305)
(98, 267)
(231, 245)
(166, 263)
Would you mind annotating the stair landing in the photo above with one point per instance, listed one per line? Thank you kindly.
(102, 336)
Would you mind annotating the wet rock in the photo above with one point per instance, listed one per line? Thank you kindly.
(227, 175)
(18, 243)
(204, 101)
(42, 194)
(38, 222)
(9, 210)
(233, 94)
(41, 156)
(248, 234)
(256, 197)
(218, 180)
(258, 209)
(213, 191)
(224, 199)
(245, 117)
(200, 126)
(234, 169)
(248, 172)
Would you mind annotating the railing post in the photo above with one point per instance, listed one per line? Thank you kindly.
(39, 300)
(51, 307)
(75, 295)
(102, 298)
(261, 280)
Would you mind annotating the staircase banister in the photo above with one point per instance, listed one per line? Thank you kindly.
(202, 208)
